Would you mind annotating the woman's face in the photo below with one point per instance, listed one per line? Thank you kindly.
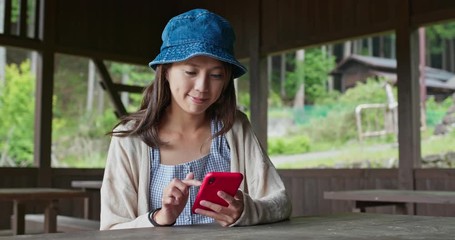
(196, 83)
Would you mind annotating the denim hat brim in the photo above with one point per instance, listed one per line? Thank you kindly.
(186, 51)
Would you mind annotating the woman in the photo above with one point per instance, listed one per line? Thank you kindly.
(188, 125)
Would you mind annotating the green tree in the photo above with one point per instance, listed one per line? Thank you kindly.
(313, 72)
(136, 75)
(78, 135)
(17, 102)
(436, 33)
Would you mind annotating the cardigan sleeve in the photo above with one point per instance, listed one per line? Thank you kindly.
(265, 197)
(119, 191)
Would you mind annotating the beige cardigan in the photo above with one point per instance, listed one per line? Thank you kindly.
(125, 188)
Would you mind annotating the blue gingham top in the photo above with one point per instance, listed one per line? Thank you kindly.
(218, 160)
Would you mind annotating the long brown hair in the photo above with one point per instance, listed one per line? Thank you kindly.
(157, 97)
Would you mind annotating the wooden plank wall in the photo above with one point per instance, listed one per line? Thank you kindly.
(440, 179)
(305, 186)
(15, 178)
(61, 178)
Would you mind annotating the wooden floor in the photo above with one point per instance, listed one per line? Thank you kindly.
(34, 224)
(7, 233)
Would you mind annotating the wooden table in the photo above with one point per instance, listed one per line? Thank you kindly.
(50, 196)
(347, 226)
(399, 198)
(86, 184)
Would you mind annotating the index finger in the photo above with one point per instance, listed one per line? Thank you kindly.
(192, 182)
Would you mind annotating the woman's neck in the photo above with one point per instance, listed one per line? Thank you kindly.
(181, 121)
(187, 137)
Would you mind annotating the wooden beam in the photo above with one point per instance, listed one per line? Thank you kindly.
(128, 88)
(20, 42)
(98, 54)
(408, 97)
(109, 86)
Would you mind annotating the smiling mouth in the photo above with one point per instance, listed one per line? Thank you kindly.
(198, 100)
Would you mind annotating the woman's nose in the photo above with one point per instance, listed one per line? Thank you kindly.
(201, 83)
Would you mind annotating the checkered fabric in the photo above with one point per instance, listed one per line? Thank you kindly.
(218, 160)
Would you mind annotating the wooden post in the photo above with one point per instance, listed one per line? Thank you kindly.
(50, 217)
(44, 92)
(408, 98)
(18, 218)
(258, 76)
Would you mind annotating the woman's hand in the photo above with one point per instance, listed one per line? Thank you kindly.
(174, 199)
(225, 216)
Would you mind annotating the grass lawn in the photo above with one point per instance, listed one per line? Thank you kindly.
(368, 155)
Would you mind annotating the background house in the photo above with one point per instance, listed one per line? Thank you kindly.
(439, 83)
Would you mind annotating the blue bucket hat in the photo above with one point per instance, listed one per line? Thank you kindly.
(198, 32)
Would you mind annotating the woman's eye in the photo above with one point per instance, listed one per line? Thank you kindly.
(217, 76)
(191, 73)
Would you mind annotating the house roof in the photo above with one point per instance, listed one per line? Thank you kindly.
(386, 67)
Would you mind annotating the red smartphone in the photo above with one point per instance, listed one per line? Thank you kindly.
(213, 182)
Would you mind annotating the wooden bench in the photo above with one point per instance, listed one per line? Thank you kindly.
(20, 197)
(35, 223)
(399, 198)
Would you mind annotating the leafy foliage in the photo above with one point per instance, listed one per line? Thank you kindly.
(288, 145)
(79, 138)
(82, 145)
(313, 73)
(17, 104)
(243, 100)
(436, 33)
(435, 111)
(339, 126)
